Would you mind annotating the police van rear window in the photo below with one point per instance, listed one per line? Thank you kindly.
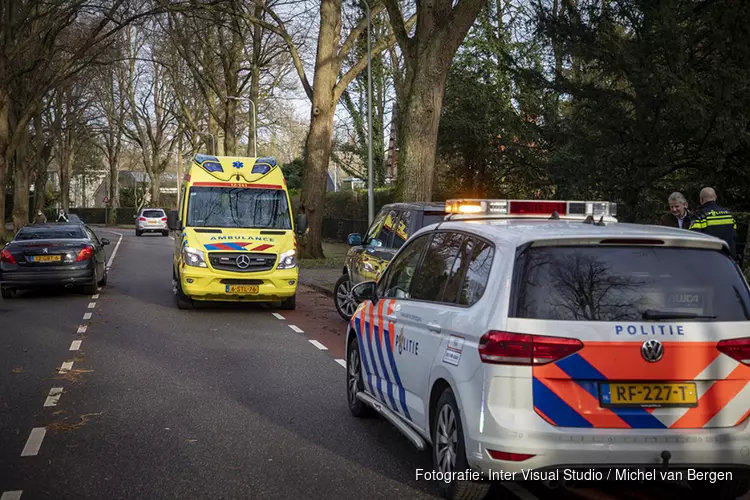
(629, 283)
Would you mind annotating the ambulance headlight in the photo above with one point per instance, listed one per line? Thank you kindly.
(288, 260)
(193, 257)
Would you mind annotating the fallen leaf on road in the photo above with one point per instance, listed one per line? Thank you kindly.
(17, 370)
(60, 427)
(74, 375)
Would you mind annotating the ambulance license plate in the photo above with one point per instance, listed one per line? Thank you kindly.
(649, 395)
(242, 289)
(46, 258)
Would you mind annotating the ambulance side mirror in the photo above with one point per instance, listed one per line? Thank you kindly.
(300, 224)
(172, 222)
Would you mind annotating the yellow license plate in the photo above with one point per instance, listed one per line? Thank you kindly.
(46, 258)
(242, 288)
(648, 395)
(153, 221)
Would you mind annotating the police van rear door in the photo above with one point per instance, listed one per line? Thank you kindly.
(663, 331)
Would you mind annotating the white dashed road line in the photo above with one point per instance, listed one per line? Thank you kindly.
(34, 442)
(296, 329)
(95, 296)
(66, 366)
(82, 329)
(92, 305)
(87, 316)
(54, 396)
(277, 316)
(318, 345)
(75, 345)
(11, 495)
(342, 362)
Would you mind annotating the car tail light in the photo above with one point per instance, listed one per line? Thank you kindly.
(504, 348)
(511, 457)
(142, 218)
(6, 256)
(164, 219)
(738, 349)
(86, 253)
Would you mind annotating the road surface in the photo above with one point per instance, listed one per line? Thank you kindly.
(121, 395)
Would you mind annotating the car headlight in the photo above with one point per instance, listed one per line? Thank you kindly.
(288, 260)
(193, 257)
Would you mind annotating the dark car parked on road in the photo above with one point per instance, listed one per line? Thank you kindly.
(53, 255)
(369, 256)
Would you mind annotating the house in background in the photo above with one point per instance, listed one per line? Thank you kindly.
(140, 181)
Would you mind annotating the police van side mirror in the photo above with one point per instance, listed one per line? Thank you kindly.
(172, 222)
(300, 224)
(366, 290)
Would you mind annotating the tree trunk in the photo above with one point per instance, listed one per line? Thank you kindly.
(4, 145)
(114, 190)
(21, 195)
(255, 79)
(318, 144)
(230, 128)
(418, 135)
(155, 189)
(66, 169)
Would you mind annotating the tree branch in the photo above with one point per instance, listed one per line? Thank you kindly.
(400, 29)
(355, 33)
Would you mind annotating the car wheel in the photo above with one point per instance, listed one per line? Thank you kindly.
(355, 383)
(289, 304)
(138, 233)
(343, 298)
(165, 233)
(722, 490)
(90, 289)
(449, 452)
(183, 301)
(103, 282)
(7, 293)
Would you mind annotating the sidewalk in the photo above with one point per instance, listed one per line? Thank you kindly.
(321, 279)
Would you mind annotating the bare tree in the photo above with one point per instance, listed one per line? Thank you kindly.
(427, 58)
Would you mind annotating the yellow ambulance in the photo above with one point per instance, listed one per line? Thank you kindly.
(234, 234)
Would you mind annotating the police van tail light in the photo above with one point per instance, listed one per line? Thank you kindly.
(505, 348)
(738, 349)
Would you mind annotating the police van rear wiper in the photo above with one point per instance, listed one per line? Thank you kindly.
(652, 314)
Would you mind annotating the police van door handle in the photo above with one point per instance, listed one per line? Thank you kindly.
(391, 317)
(434, 327)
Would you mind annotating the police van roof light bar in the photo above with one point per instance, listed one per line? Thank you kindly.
(556, 209)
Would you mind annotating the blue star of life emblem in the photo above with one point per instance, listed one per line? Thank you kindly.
(237, 164)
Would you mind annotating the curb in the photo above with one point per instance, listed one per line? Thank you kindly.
(319, 288)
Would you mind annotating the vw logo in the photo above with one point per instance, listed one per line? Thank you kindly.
(652, 350)
(242, 261)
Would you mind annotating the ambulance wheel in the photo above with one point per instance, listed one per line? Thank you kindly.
(289, 304)
(183, 301)
(343, 298)
(355, 383)
(449, 452)
(721, 490)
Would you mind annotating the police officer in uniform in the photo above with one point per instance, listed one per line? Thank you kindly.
(715, 221)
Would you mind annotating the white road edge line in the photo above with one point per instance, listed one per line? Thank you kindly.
(87, 316)
(66, 366)
(296, 329)
(114, 252)
(171, 237)
(519, 491)
(82, 328)
(277, 316)
(95, 296)
(342, 362)
(54, 396)
(12, 495)
(92, 305)
(34, 442)
(318, 345)
(75, 345)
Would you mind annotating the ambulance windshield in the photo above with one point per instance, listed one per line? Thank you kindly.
(238, 207)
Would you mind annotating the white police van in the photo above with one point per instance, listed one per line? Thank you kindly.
(546, 336)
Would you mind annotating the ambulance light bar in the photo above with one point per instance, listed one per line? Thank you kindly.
(531, 208)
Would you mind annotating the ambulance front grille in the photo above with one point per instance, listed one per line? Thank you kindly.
(228, 261)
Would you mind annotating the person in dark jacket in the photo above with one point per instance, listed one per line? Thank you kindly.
(715, 221)
(40, 218)
(678, 215)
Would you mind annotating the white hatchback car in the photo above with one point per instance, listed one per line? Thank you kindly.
(576, 349)
(151, 220)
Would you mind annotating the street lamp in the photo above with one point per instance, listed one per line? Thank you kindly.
(370, 189)
(251, 113)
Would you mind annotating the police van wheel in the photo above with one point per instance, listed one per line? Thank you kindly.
(355, 384)
(721, 490)
(449, 452)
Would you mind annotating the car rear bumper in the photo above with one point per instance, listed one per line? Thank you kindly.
(206, 284)
(152, 228)
(34, 279)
